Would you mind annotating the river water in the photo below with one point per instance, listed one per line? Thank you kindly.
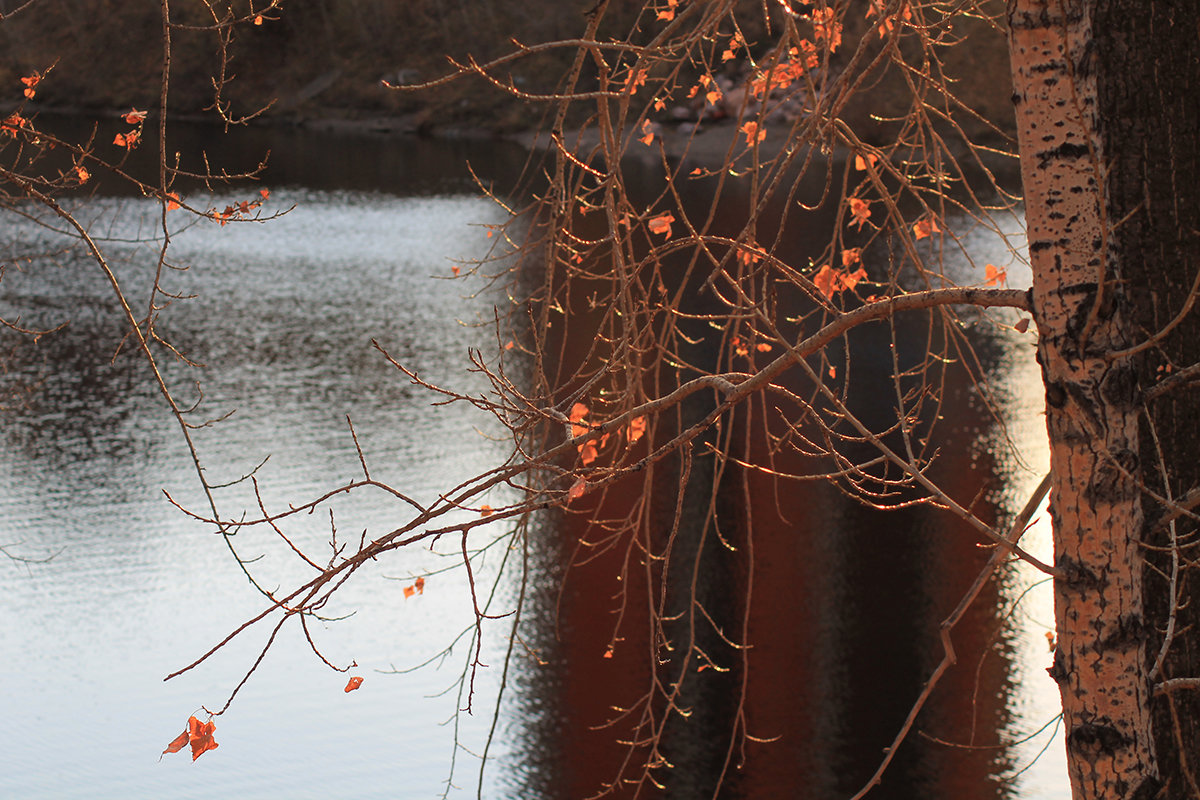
(121, 588)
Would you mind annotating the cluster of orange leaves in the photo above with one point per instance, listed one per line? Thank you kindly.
(826, 28)
(742, 347)
(713, 93)
(131, 139)
(830, 281)
(30, 82)
(783, 75)
(12, 124)
(887, 22)
(242, 209)
(735, 42)
(197, 734)
(416, 587)
(589, 450)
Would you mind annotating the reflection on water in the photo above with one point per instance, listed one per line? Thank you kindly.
(845, 603)
(284, 314)
(841, 607)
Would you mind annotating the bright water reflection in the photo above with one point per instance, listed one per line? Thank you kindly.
(284, 315)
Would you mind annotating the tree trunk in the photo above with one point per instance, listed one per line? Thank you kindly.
(1105, 94)
(1149, 102)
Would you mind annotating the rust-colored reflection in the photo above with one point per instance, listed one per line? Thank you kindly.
(839, 604)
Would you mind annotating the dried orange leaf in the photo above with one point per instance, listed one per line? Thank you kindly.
(753, 133)
(994, 275)
(1022, 325)
(353, 684)
(860, 210)
(134, 117)
(177, 744)
(200, 737)
(824, 281)
(861, 163)
(577, 489)
(647, 136)
(926, 227)
(637, 429)
(661, 224)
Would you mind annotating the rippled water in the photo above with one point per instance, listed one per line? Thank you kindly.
(283, 314)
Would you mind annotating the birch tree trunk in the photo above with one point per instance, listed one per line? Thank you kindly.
(1106, 101)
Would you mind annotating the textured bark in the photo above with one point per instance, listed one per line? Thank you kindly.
(1092, 408)
(1149, 102)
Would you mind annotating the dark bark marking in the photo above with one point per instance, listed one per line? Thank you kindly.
(1092, 741)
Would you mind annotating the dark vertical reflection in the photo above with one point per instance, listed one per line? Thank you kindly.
(842, 619)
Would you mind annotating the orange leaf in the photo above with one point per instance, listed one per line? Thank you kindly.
(762, 347)
(31, 81)
(588, 453)
(509, 345)
(577, 489)
(851, 256)
(753, 134)
(637, 428)
(126, 140)
(994, 275)
(850, 280)
(81, 174)
(647, 131)
(486, 510)
(134, 117)
(825, 280)
(177, 744)
(1022, 325)
(608, 653)
(578, 412)
(417, 587)
(861, 211)
(200, 737)
(861, 163)
(635, 80)
(926, 227)
(258, 19)
(353, 684)
(661, 224)
(172, 201)
(264, 193)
